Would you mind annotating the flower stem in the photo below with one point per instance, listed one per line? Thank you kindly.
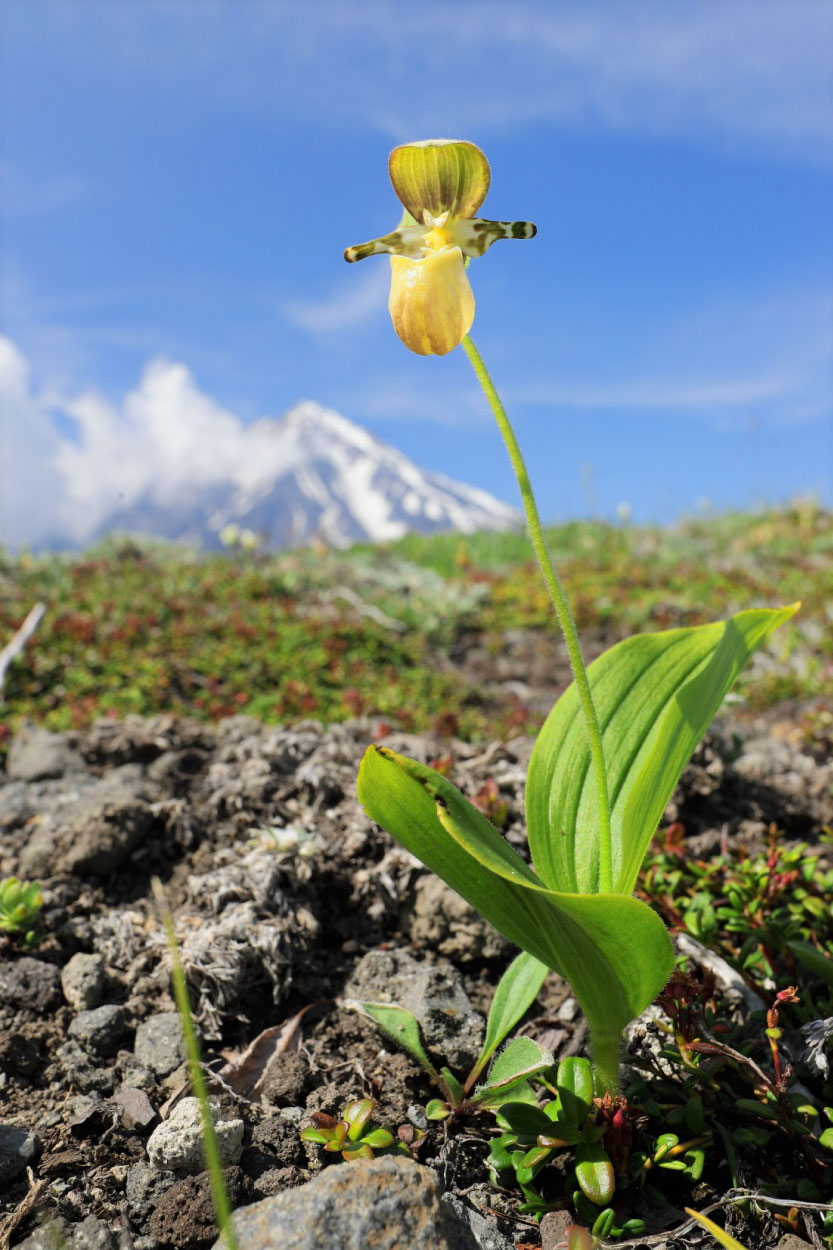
(605, 1051)
(562, 611)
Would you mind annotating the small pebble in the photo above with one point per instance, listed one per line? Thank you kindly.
(159, 1043)
(100, 1029)
(176, 1145)
(82, 981)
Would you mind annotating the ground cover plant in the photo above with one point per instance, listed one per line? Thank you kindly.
(470, 652)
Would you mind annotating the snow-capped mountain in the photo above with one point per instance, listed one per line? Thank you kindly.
(315, 475)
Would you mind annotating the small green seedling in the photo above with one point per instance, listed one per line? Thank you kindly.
(354, 1136)
(20, 905)
(521, 1059)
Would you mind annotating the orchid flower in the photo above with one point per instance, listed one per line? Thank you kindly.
(441, 184)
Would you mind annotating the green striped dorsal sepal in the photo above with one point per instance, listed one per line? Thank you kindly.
(439, 176)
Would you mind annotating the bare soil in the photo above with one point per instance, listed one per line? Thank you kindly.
(280, 888)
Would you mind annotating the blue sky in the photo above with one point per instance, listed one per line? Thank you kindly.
(181, 178)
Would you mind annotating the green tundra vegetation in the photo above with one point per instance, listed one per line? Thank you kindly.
(387, 631)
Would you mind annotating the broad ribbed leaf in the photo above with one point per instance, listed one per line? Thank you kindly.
(612, 948)
(516, 991)
(655, 696)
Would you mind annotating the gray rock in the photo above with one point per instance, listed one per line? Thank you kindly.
(93, 834)
(92, 1234)
(82, 981)
(99, 1030)
(51, 1234)
(36, 754)
(176, 1145)
(432, 993)
(159, 1043)
(442, 921)
(486, 1235)
(279, 1138)
(137, 1111)
(133, 1073)
(30, 983)
(784, 767)
(185, 1217)
(18, 1148)
(143, 1188)
(386, 1203)
(554, 1227)
(81, 1071)
(94, 1120)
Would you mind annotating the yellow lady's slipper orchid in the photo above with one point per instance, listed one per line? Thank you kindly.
(441, 183)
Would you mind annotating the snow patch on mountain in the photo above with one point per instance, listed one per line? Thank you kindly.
(315, 475)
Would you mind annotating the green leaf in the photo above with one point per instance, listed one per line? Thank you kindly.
(524, 1120)
(499, 1157)
(356, 1116)
(313, 1135)
(813, 960)
(579, 935)
(452, 1085)
(594, 1173)
(532, 1163)
(574, 1083)
(401, 1027)
(655, 696)
(520, 1060)
(516, 991)
(604, 1223)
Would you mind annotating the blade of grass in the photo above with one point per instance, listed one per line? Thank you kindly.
(211, 1149)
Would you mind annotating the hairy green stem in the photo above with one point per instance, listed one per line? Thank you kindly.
(562, 611)
(605, 1051)
(211, 1148)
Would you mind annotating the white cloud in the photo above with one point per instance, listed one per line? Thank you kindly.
(365, 296)
(30, 483)
(752, 68)
(651, 393)
(166, 441)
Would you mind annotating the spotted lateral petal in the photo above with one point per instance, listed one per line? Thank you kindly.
(406, 241)
(439, 176)
(475, 235)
